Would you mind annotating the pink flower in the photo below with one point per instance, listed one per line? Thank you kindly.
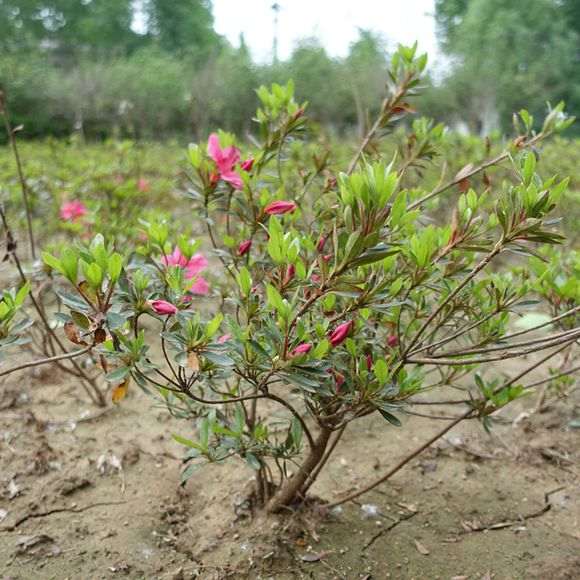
(247, 164)
(73, 210)
(280, 207)
(392, 341)
(143, 185)
(303, 348)
(339, 334)
(225, 159)
(196, 264)
(224, 338)
(199, 287)
(163, 307)
(176, 258)
(244, 247)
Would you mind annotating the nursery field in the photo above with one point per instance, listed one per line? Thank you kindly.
(294, 356)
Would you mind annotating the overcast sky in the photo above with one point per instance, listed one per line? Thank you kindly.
(334, 22)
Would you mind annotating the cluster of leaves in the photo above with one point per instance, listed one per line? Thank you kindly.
(14, 320)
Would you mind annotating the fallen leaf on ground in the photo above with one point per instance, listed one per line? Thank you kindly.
(13, 489)
(313, 556)
(421, 548)
(39, 545)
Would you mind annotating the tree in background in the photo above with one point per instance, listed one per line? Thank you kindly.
(365, 71)
(509, 54)
(67, 27)
(183, 26)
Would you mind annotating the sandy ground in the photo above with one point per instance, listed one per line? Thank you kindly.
(85, 495)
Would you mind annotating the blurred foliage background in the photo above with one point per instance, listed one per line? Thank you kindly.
(79, 66)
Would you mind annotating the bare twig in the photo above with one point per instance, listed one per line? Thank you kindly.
(402, 463)
(553, 377)
(482, 264)
(461, 176)
(77, 510)
(44, 361)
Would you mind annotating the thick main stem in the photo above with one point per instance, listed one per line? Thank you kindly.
(292, 489)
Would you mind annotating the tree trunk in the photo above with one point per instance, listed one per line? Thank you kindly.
(292, 488)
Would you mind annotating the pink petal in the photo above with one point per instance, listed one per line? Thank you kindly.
(213, 148)
(196, 264)
(176, 258)
(233, 178)
(199, 287)
(231, 156)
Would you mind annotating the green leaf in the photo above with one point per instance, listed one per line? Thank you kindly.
(22, 294)
(213, 326)
(52, 262)
(253, 461)
(117, 375)
(115, 266)
(70, 264)
(390, 418)
(186, 442)
(189, 471)
(244, 281)
(219, 359)
(94, 274)
(381, 371)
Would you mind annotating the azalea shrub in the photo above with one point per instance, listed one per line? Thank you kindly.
(321, 295)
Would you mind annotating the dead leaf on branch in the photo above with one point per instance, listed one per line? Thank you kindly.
(72, 333)
(193, 362)
(120, 391)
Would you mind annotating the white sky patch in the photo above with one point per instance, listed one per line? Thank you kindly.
(334, 22)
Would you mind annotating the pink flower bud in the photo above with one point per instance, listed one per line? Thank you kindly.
(163, 307)
(369, 361)
(339, 334)
(247, 164)
(327, 257)
(280, 207)
(143, 185)
(392, 341)
(290, 273)
(303, 348)
(244, 247)
(321, 242)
